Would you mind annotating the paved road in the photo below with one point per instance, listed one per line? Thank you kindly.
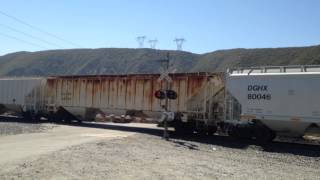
(13, 148)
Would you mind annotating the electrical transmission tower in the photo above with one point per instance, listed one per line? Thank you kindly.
(140, 40)
(153, 43)
(179, 42)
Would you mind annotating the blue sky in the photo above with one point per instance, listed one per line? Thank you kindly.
(207, 25)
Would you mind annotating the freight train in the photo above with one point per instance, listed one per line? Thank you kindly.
(258, 102)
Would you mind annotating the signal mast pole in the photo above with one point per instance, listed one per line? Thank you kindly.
(166, 63)
(165, 132)
(166, 94)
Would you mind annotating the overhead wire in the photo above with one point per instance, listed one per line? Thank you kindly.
(39, 29)
(21, 40)
(31, 36)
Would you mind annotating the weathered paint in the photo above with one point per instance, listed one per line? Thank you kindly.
(126, 92)
(110, 94)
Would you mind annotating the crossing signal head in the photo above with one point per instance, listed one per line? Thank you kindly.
(160, 94)
(171, 94)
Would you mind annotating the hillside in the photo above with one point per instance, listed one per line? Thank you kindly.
(122, 61)
(223, 59)
(91, 61)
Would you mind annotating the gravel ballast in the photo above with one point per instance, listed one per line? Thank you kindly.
(145, 156)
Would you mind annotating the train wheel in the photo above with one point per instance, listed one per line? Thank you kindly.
(241, 131)
(312, 133)
(263, 134)
(212, 130)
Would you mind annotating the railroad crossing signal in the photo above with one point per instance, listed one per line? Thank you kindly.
(170, 94)
(160, 94)
(164, 74)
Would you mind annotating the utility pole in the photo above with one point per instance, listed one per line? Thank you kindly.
(140, 40)
(179, 42)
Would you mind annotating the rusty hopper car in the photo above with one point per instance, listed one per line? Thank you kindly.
(117, 97)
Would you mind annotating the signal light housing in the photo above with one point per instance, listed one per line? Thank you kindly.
(160, 94)
(170, 94)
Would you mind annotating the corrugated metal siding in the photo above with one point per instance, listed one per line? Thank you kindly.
(114, 93)
(26, 92)
(132, 92)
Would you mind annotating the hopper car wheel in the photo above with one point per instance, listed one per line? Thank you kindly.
(312, 132)
(37, 118)
(31, 117)
(232, 133)
(212, 130)
(263, 134)
(240, 131)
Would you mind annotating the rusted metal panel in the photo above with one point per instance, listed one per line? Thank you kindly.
(76, 92)
(59, 92)
(147, 94)
(69, 95)
(113, 93)
(89, 93)
(138, 103)
(51, 91)
(96, 94)
(121, 93)
(66, 92)
(129, 92)
(182, 93)
(104, 93)
(156, 103)
(83, 85)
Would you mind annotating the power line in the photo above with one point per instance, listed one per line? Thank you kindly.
(31, 36)
(21, 40)
(38, 29)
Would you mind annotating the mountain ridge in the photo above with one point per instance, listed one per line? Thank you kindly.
(133, 61)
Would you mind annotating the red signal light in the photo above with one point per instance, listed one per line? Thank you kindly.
(160, 94)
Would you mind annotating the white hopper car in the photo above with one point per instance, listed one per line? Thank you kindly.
(284, 100)
(257, 103)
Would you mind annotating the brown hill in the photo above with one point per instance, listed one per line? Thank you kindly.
(122, 61)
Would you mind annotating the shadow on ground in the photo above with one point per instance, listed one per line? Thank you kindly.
(191, 141)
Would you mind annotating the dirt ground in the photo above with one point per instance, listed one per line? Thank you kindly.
(137, 151)
(13, 128)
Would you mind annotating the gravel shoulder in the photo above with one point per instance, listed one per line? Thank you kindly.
(147, 156)
(14, 148)
(14, 128)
